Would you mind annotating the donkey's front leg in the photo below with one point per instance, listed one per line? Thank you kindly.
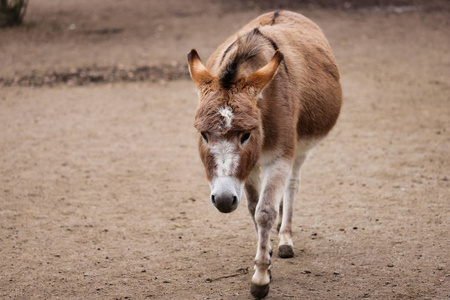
(275, 177)
(252, 190)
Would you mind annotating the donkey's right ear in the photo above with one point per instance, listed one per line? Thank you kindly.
(199, 74)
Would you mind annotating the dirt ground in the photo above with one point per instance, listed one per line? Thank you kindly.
(103, 196)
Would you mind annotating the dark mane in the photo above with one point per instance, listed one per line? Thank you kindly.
(248, 46)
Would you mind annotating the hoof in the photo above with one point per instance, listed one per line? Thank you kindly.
(285, 251)
(259, 291)
(270, 252)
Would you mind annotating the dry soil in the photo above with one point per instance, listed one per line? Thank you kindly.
(103, 196)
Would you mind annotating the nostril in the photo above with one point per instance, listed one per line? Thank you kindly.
(213, 199)
(234, 201)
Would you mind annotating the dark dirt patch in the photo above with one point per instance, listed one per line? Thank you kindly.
(83, 76)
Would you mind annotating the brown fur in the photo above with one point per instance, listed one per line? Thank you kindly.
(308, 95)
(279, 78)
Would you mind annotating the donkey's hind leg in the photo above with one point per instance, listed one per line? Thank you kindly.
(285, 246)
(280, 215)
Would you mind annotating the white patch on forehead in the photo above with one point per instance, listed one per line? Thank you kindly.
(227, 114)
(225, 157)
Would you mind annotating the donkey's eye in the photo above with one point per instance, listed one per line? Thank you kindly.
(204, 136)
(245, 137)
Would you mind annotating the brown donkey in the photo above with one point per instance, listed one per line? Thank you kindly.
(268, 94)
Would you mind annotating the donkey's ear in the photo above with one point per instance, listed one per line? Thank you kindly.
(199, 74)
(258, 80)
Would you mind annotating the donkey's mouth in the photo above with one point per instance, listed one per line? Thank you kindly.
(226, 193)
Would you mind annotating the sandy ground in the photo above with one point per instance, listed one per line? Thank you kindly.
(103, 196)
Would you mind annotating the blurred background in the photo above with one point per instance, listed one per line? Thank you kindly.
(71, 36)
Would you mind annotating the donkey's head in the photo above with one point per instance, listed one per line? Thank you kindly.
(230, 128)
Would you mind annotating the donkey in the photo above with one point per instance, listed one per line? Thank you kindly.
(268, 94)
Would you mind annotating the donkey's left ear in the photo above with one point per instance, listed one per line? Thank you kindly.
(258, 80)
(199, 73)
